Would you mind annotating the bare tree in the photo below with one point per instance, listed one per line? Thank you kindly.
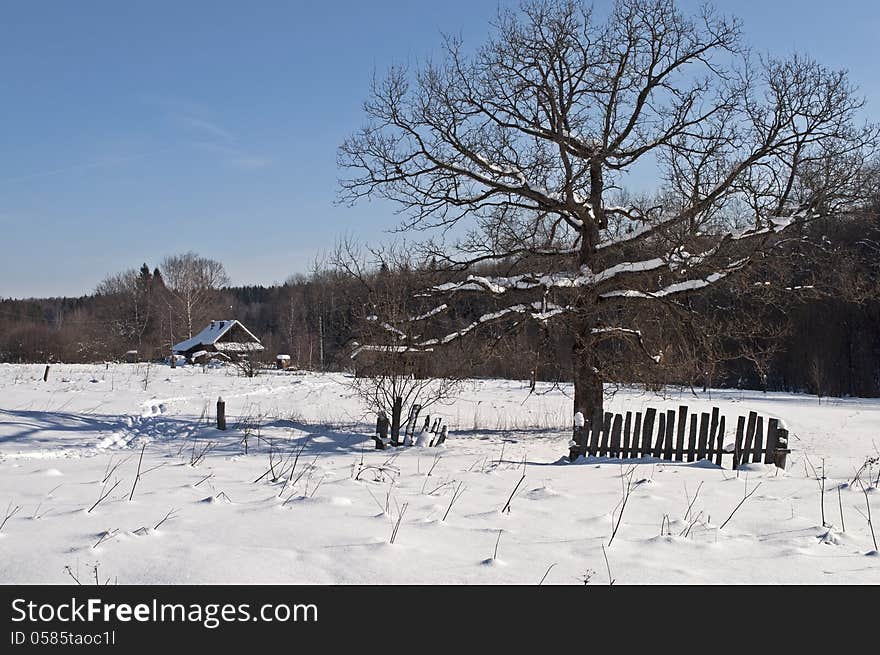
(192, 283)
(386, 366)
(525, 147)
(131, 303)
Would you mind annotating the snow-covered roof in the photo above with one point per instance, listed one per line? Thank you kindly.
(213, 332)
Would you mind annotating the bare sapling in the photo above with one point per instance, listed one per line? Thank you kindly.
(397, 523)
(106, 536)
(138, 475)
(840, 507)
(868, 517)
(69, 572)
(626, 491)
(10, 512)
(691, 502)
(546, 573)
(740, 504)
(110, 470)
(198, 455)
(506, 507)
(497, 541)
(103, 495)
(459, 490)
(172, 514)
(293, 467)
(607, 567)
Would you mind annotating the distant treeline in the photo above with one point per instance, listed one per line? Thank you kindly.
(826, 343)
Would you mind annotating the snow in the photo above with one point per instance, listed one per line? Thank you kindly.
(60, 439)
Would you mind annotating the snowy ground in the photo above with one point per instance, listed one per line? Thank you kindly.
(66, 442)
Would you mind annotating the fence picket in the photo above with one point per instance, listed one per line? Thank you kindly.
(679, 440)
(606, 433)
(738, 444)
(772, 440)
(759, 439)
(661, 433)
(704, 435)
(692, 440)
(719, 442)
(637, 433)
(670, 434)
(647, 431)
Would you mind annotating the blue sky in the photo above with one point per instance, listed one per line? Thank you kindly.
(132, 130)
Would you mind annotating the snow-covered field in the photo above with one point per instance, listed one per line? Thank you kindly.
(66, 442)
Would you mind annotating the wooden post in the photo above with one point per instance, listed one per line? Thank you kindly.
(704, 435)
(670, 433)
(759, 440)
(627, 427)
(637, 431)
(606, 432)
(579, 437)
(173, 360)
(595, 430)
(647, 431)
(679, 439)
(221, 414)
(381, 435)
(661, 433)
(781, 448)
(395, 421)
(46, 374)
(772, 426)
(719, 442)
(738, 444)
(692, 439)
(750, 435)
(615, 436)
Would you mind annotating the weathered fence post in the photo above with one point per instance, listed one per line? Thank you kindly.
(781, 451)
(617, 426)
(670, 434)
(381, 436)
(647, 431)
(221, 414)
(173, 360)
(637, 431)
(661, 434)
(703, 440)
(395, 421)
(679, 435)
(719, 442)
(46, 374)
(579, 438)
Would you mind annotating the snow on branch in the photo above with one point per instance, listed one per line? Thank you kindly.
(428, 314)
(678, 287)
(536, 311)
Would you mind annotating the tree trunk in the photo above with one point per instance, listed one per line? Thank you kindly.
(588, 390)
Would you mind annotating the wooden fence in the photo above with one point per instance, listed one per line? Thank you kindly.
(680, 436)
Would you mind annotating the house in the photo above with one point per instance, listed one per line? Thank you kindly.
(219, 340)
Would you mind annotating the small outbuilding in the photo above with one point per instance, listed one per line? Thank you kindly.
(220, 339)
